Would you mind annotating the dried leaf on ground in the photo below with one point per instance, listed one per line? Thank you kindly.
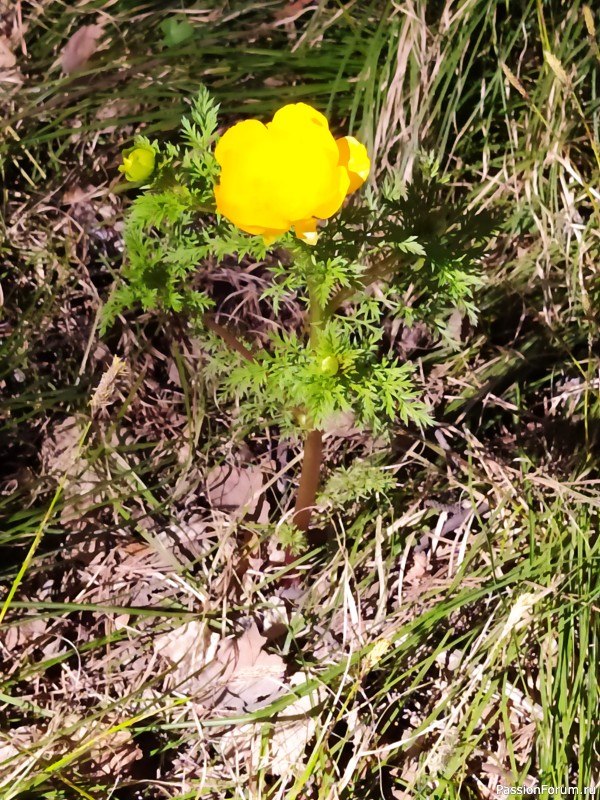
(236, 674)
(30, 634)
(7, 57)
(115, 754)
(127, 571)
(292, 731)
(61, 457)
(250, 678)
(189, 648)
(80, 48)
(419, 568)
(234, 488)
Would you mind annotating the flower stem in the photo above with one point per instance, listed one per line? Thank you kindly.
(313, 444)
(309, 480)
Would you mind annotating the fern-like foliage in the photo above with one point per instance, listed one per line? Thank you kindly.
(287, 382)
(163, 244)
(359, 481)
(402, 252)
(430, 252)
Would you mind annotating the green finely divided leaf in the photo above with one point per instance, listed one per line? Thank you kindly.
(407, 241)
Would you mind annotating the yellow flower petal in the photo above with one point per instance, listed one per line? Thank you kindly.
(301, 176)
(340, 187)
(306, 230)
(246, 206)
(243, 194)
(270, 236)
(243, 135)
(297, 114)
(304, 159)
(354, 156)
(286, 173)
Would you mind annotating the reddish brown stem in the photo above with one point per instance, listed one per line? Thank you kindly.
(309, 479)
(228, 337)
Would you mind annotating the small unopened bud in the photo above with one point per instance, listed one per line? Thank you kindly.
(301, 419)
(138, 163)
(330, 365)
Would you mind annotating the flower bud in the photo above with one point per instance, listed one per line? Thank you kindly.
(329, 365)
(138, 163)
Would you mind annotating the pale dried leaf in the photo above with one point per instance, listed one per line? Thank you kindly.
(7, 57)
(188, 648)
(115, 753)
(419, 568)
(234, 674)
(188, 540)
(80, 48)
(292, 731)
(242, 747)
(234, 488)
(23, 634)
(247, 677)
(290, 738)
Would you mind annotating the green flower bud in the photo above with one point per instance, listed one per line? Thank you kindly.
(138, 163)
(330, 365)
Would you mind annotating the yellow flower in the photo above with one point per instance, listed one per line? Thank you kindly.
(286, 174)
(138, 163)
